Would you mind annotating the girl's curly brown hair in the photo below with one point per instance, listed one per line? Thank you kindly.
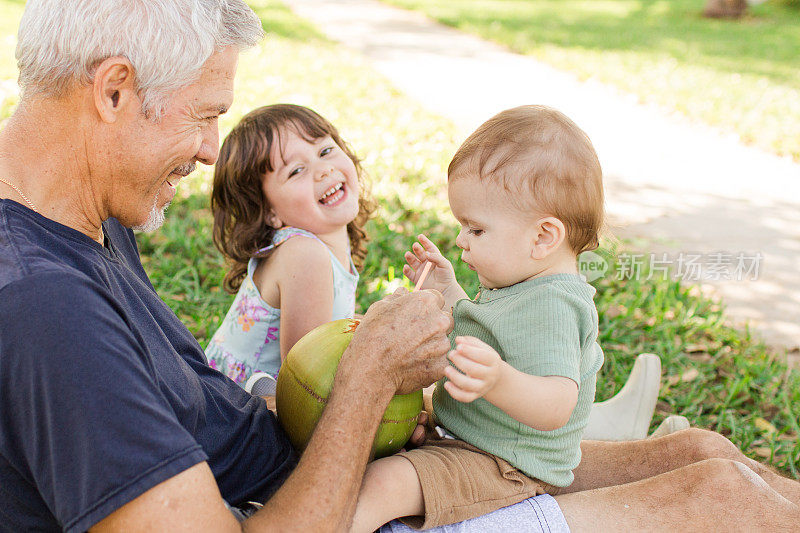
(240, 207)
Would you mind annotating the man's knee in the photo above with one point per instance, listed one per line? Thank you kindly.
(701, 444)
(719, 477)
(726, 484)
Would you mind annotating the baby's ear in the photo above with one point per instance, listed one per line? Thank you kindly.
(550, 233)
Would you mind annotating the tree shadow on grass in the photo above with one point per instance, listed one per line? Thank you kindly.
(761, 45)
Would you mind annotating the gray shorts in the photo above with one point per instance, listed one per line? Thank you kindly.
(540, 514)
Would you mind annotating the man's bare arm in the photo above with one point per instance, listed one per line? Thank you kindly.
(189, 501)
(332, 466)
(399, 347)
(319, 495)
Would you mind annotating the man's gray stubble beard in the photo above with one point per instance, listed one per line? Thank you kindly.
(155, 218)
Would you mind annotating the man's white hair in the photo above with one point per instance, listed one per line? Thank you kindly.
(166, 41)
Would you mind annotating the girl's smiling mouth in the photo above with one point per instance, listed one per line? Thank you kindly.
(333, 195)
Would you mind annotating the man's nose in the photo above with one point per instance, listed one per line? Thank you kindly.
(209, 144)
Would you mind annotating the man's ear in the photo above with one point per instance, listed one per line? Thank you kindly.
(115, 89)
(550, 233)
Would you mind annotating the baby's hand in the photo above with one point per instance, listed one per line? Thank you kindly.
(441, 277)
(481, 366)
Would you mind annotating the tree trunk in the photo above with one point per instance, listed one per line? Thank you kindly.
(725, 8)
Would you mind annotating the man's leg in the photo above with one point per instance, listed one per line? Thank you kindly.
(712, 495)
(605, 464)
(704, 496)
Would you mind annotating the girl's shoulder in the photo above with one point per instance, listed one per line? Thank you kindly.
(299, 249)
(297, 254)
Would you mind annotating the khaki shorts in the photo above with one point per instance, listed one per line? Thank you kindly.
(460, 481)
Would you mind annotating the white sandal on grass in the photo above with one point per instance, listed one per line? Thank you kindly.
(671, 424)
(627, 415)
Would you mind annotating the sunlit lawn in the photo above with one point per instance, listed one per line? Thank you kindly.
(713, 374)
(741, 76)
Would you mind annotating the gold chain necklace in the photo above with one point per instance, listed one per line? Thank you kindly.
(22, 194)
(30, 204)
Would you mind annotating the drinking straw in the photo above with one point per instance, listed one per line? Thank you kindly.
(421, 280)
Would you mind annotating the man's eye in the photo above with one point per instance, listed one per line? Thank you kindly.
(476, 232)
(325, 151)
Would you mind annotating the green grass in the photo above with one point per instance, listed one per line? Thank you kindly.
(718, 377)
(741, 76)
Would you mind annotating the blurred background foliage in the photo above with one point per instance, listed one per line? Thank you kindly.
(717, 376)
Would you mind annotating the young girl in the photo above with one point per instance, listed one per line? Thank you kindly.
(289, 209)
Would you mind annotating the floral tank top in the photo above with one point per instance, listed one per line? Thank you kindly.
(248, 340)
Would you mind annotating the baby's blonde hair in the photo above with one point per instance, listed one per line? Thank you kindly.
(545, 162)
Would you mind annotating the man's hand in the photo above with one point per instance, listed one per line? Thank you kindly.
(426, 421)
(399, 347)
(417, 438)
(401, 343)
(481, 368)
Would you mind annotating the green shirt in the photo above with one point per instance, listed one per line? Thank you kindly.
(544, 327)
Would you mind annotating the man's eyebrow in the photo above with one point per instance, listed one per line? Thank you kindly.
(220, 109)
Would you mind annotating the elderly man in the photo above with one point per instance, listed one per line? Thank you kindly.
(110, 418)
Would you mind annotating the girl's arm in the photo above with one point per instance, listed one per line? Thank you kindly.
(544, 403)
(442, 277)
(305, 284)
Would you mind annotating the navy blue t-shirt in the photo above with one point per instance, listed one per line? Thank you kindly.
(103, 391)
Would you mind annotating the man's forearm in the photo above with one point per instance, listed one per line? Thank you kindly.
(322, 492)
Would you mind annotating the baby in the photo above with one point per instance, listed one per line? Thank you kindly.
(527, 189)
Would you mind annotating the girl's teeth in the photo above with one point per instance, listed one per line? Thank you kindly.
(333, 198)
(331, 191)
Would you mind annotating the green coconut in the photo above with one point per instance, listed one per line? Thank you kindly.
(305, 381)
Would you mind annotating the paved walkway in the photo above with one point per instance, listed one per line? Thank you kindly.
(682, 188)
